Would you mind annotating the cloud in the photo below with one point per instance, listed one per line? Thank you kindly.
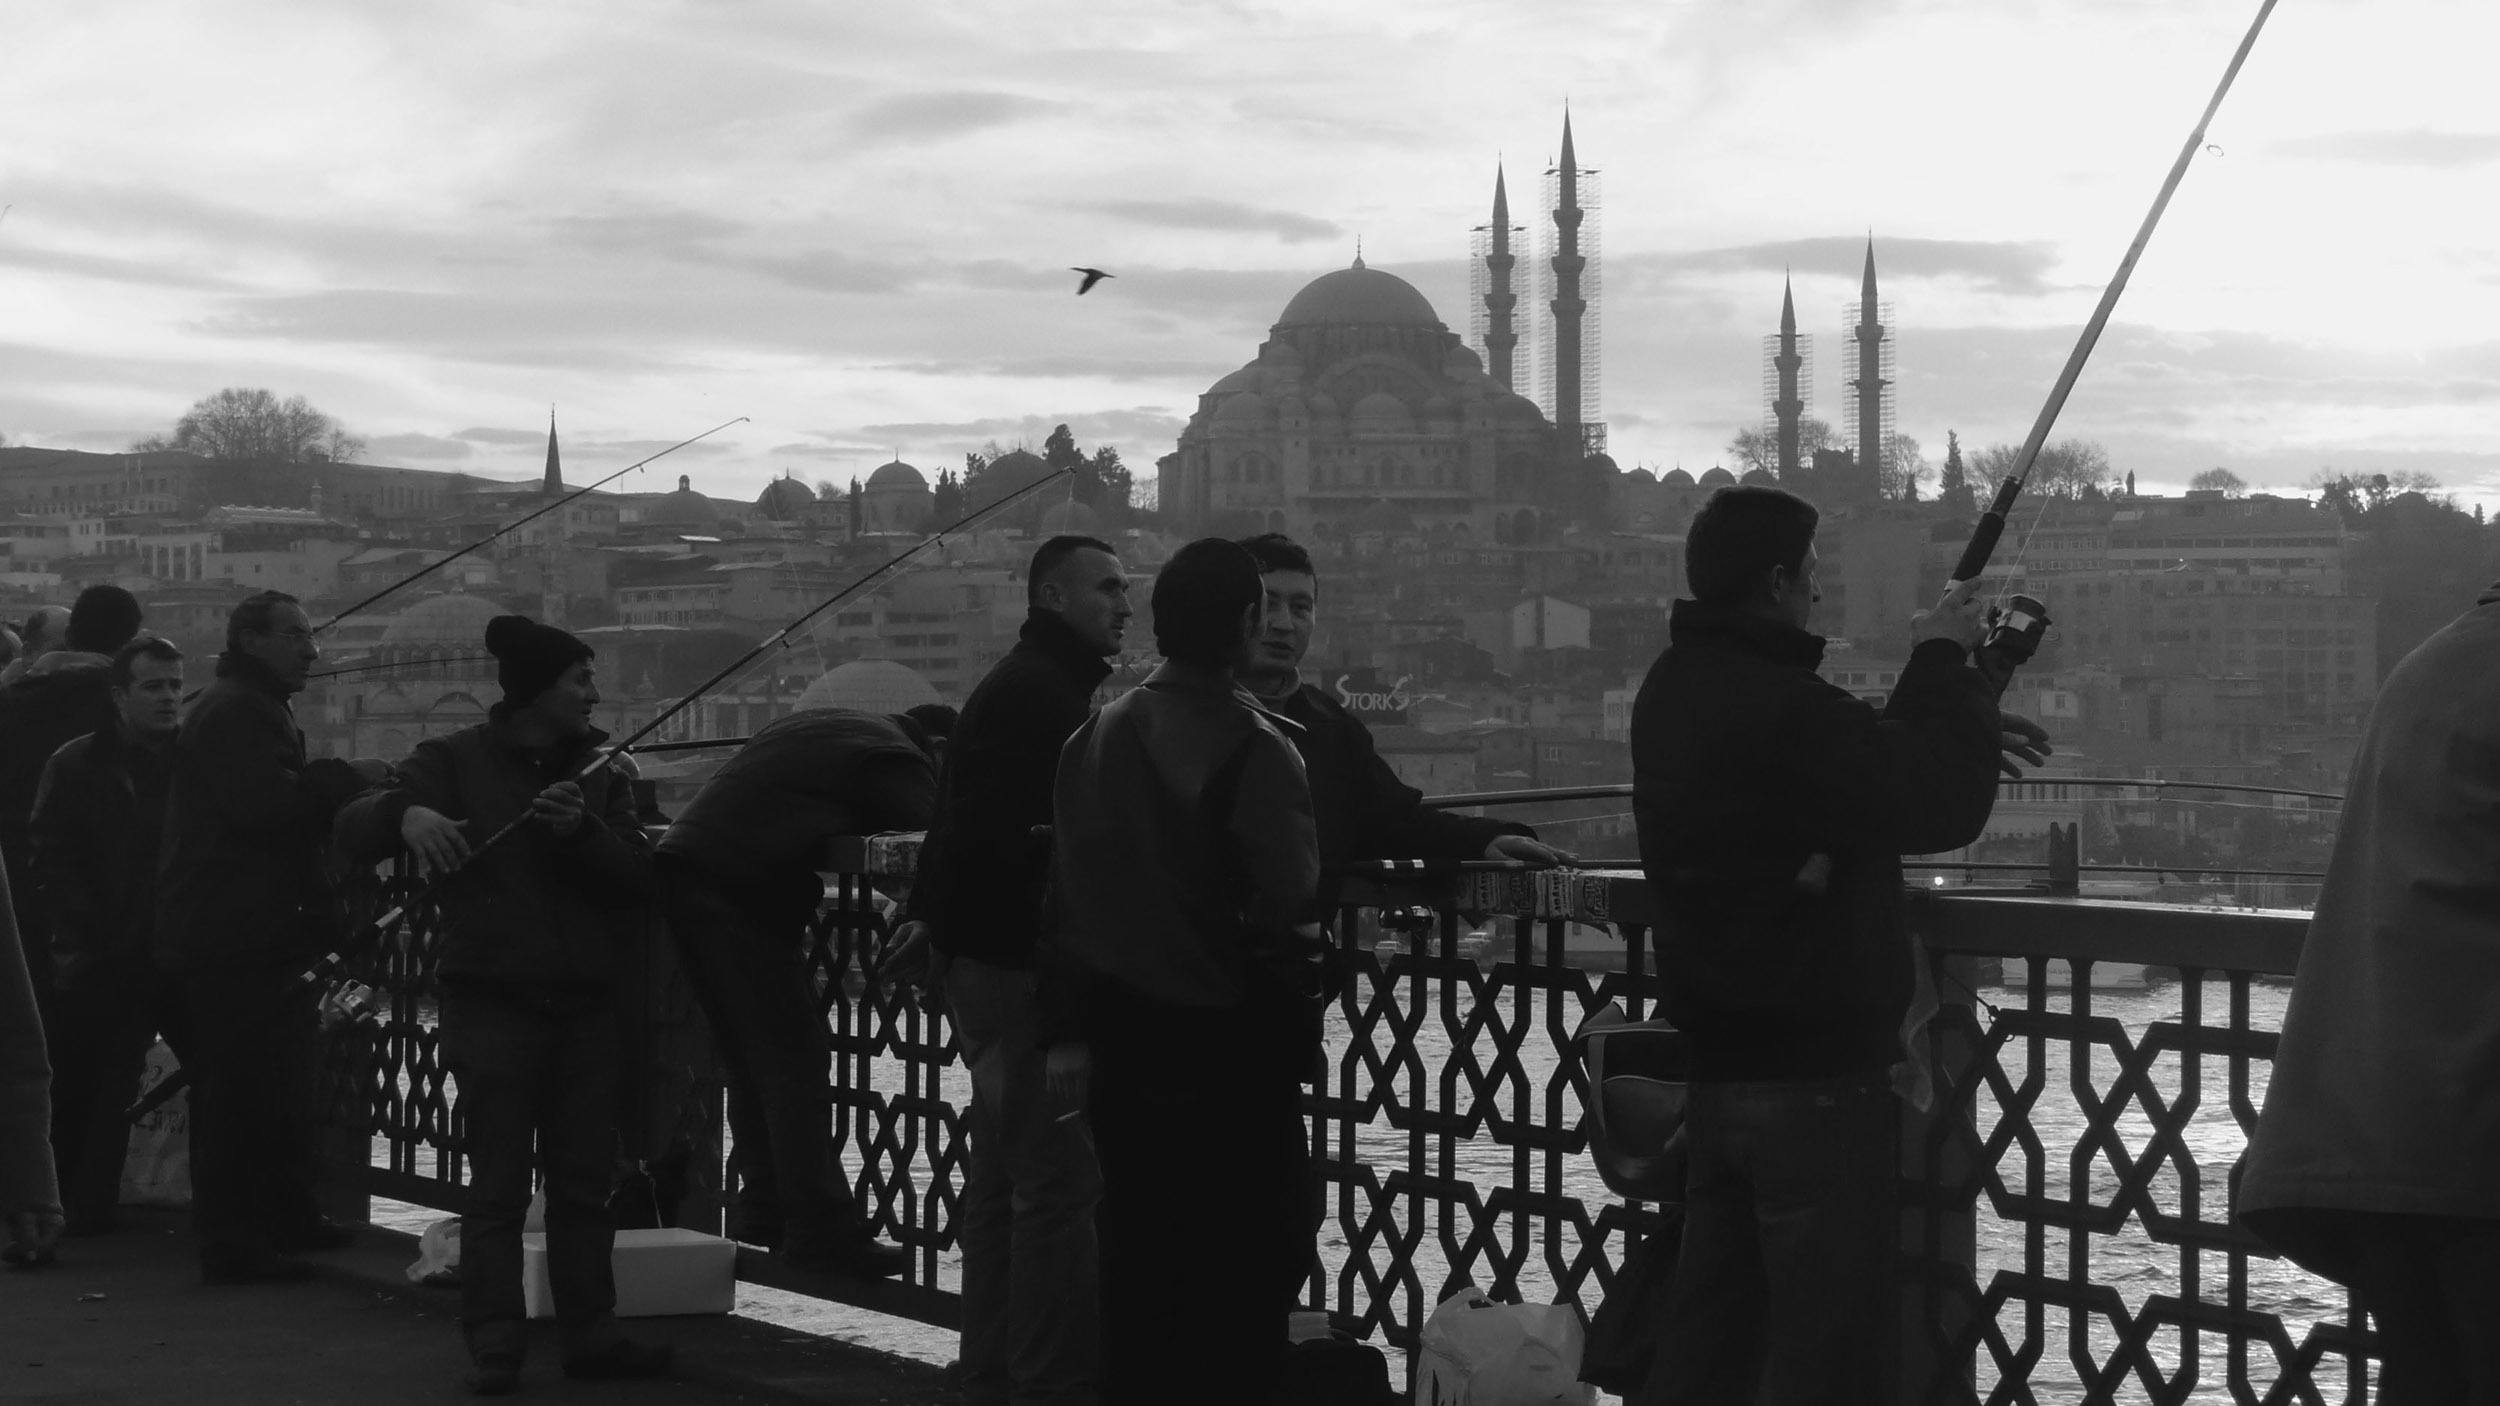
(1137, 428)
(2417, 147)
(928, 117)
(483, 434)
(389, 448)
(2019, 268)
(1224, 216)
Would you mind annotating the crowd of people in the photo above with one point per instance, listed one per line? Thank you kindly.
(1120, 908)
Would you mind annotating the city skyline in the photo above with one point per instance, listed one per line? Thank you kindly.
(854, 227)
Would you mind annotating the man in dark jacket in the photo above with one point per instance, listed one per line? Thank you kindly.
(739, 881)
(1773, 811)
(63, 691)
(1027, 1221)
(98, 826)
(1364, 810)
(533, 929)
(1180, 994)
(243, 906)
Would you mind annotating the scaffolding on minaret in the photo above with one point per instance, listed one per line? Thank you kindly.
(1566, 340)
(1771, 379)
(1492, 290)
(1873, 378)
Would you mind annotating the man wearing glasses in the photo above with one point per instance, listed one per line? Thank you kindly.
(243, 907)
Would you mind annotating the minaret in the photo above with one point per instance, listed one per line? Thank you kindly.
(553, 485)
(1499, 338)
(1568, 305)
(1790, 404)
(1870, 383)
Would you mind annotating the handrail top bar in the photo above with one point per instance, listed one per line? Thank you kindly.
(1618, 790)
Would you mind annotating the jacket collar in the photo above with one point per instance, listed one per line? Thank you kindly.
(1050, 636)
(1694, 623)
(1170, 677)
(253, 674)
(567, 752)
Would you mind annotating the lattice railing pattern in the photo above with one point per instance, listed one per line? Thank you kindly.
(1449, 1135)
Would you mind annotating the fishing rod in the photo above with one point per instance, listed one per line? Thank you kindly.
(401, 664)
(375, 929)
(433, 566)
(2013, 638)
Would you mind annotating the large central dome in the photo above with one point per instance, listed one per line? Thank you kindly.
(1359, 295)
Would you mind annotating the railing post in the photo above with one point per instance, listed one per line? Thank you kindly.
(2065, 860)
(1939, 1190)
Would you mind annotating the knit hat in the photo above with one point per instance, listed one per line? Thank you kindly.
(103, 620)
(530, 656)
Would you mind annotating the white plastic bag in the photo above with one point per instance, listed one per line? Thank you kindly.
(438, 1254)
(157, 1171)
(1480, 1353)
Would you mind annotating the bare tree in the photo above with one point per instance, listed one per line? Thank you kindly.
(2067, 468)
(1905, 464)
(1757, 448)
(240, 423)
(2219, 480)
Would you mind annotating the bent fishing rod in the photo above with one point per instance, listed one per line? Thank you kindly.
(438, 564)
(2017, 634)
(375, 929)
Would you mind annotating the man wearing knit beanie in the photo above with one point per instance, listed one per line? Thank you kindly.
(534, 932)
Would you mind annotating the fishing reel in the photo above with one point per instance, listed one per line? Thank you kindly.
(2015, 630)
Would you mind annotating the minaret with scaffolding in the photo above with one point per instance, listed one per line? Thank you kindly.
(1570, 275)
(1870, 391)
(1787, 384)
(1490, 299)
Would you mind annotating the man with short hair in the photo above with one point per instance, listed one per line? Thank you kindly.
(1773, 810)
(39, 636)
(533, 932)
(739, 880)
(243, 906)
(1030, 1335)
(1180, 991)
(65, 690)
(98, 825)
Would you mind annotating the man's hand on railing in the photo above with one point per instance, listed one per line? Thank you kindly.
(910, 961)
(1528, 850)
(435, 839)
(2020, 742)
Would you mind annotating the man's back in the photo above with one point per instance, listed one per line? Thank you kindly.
(799, 781)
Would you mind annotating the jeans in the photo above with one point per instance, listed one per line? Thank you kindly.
(1784, 1290)
(1032, 1329)
(535, 1070)
(252, 1148)
(747, 969)
(100, 1032)
(1205, 1209)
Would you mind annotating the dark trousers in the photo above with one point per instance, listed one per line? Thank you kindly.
(746, 965)
(1205, 1205)
(1784, 1292)
(99, 1032)
(537, 1079)
(252, 1148)
(2432, 1285)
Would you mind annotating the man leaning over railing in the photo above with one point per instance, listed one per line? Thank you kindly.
(1773, 810)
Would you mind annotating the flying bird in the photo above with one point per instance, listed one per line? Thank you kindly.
(1092, 277)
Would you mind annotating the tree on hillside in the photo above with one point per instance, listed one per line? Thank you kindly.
(2352, 496)
(1904, 465)
(2424, 561)
(1757, 447)
(946, 501)
(1118, 486)
(240, 423)
(2066, 468)
(1953, 488)
(2219, 480)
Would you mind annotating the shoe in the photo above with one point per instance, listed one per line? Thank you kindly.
(621, 1360)
(320, 1235)
(863, 1258)
(495, 1374)
(250, 1267)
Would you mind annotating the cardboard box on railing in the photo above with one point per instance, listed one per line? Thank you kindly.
(658, 1273)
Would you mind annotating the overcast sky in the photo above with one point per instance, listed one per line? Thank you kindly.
(851, 221)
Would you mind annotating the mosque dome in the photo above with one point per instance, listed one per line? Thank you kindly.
(1382, 413)
(1013, 470)
(784, 499)
(1246, 409)
(869, 686)
(456, 619)
(1718, 478)
(1246, 379)
(1675, 478)
(897, 475)
(1759, 478)
(1359, 295)
(684, 508)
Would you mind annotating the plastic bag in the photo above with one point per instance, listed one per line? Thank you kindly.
(157, 1170)
(1476, 1352)
(438, 1254)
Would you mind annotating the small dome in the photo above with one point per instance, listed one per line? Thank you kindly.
(1760, 478)
(684, 508)
(1675, 478)
(784, 499)
(454, 619)
(1645, 478)
(1382, 413)
(1518, 407)
(1359, 295)
(897, 475)
(1718, 478)
(1013, 470)
(1246, 409)
(869, 686)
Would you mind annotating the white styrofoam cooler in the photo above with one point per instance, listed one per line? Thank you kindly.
(658, 1273)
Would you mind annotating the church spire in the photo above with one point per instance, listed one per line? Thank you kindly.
(553, 485)
(1499, 337)
(1789, 404)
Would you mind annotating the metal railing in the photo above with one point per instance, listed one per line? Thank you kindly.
(2065, 1200)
